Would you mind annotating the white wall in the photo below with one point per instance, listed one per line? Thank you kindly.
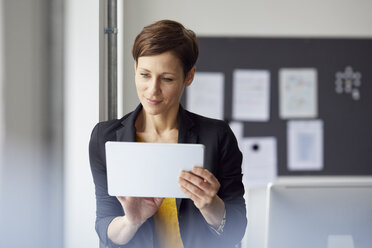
(81, 114)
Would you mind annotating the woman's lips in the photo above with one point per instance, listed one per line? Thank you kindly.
(153, 102)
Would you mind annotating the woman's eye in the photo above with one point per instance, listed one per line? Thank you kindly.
(145, 75)
(168, 79)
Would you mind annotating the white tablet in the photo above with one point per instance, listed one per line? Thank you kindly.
(149, 169)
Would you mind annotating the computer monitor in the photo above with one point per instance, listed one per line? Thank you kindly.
(319, 215)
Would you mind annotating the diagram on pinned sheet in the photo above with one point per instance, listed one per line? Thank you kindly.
(298, 94)
(349, 82)
(305, 145)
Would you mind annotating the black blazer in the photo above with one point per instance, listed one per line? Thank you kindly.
(222, 158)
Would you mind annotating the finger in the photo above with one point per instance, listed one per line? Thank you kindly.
(193, 188)
(192, 196)
(194, 179)
(189, 194)
(158, 200)
(205, 174)
(198, 202)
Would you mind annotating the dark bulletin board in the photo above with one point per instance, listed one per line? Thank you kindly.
(347, 122)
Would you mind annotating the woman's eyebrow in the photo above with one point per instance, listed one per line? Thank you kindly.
(169, 73)
(144, 69)
(163, 73)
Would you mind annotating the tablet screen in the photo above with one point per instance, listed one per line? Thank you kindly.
(149, 169)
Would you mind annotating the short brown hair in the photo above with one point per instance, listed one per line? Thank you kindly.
(167, 35)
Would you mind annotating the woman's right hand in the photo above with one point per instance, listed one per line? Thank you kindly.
(138, 209)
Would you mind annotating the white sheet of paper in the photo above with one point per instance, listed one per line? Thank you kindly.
(205, 95)
(259, 161)
(238, 130)
(305, 145)
(298, 96)
(251, 95)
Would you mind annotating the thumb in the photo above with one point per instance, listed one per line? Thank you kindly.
(158, 200)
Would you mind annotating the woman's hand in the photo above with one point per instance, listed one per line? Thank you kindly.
(138, 209)
(202, 187)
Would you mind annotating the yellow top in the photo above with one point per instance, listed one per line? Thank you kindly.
(166, 225)
(166, 222)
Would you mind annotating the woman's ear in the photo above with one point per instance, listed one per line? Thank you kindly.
(190, 76)
(135, 67)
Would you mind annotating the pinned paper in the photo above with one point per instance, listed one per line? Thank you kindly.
(259, 161)
(305, 145)
(251, 95)
(205, 95)
(298, 96)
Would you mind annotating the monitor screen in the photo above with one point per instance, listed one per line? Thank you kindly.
(319, 215)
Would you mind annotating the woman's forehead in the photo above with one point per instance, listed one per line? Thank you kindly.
(164, 62)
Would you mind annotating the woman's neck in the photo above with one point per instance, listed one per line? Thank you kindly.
(156, 124)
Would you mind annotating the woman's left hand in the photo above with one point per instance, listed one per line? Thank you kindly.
(202, 187)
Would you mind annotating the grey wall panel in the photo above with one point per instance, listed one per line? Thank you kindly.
(347, 123)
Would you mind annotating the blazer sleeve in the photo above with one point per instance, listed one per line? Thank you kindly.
(107, 207)
(232, 189)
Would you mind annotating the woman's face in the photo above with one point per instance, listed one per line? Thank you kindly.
(160, 82)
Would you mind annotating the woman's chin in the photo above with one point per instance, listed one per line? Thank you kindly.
(153, 110)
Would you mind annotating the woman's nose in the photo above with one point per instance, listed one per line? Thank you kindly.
(155, 86)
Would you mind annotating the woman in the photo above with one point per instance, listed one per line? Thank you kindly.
(165, 54)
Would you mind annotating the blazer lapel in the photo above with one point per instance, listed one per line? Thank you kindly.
(186, 133)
